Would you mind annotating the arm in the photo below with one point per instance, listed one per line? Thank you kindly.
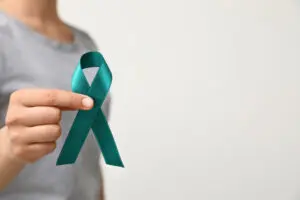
(32, 127)
(9, 167)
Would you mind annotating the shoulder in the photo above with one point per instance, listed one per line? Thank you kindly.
(6, 39)
(84, 38)
(7, 34)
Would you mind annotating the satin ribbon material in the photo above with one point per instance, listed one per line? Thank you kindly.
(92, 119)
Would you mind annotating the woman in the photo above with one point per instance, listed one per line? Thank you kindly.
(38, 54)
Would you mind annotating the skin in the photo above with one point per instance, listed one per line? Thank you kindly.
(32, 127)
(33, 116)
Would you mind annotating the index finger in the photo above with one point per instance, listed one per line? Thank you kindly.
(55, 98)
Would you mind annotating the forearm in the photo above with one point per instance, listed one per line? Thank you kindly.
(9, 167)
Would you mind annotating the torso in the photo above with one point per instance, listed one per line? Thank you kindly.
(27, 60)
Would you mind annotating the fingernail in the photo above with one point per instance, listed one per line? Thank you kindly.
(87, 102)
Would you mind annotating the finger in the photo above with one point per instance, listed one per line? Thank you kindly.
(40, 134)
(33, 152)
(35, 116)
(55, 98)
(38, 150)
(42, 148)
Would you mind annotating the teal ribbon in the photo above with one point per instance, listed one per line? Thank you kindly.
(92, 119)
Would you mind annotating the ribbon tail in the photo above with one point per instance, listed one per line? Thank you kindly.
(77, 136)
(106, 141)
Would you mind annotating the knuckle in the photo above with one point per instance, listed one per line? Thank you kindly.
(31, 158)
(50, 147)
(9, 120)
(52, 114)
(50, 97)
(17, 95)
(73, 100)
(13, 118)
(56, 114)
(14, 95)
(18, 151)
(14, 138)
(53, 147)
(56, 131)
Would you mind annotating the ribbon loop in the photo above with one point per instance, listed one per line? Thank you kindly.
(92, 119)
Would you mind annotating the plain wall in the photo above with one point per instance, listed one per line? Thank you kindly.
(206, 96)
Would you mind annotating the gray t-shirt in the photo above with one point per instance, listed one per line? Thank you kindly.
(29, 59)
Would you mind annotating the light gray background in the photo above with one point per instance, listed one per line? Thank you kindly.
(206, 96)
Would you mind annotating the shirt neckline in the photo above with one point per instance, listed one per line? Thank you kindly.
(40, 37)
